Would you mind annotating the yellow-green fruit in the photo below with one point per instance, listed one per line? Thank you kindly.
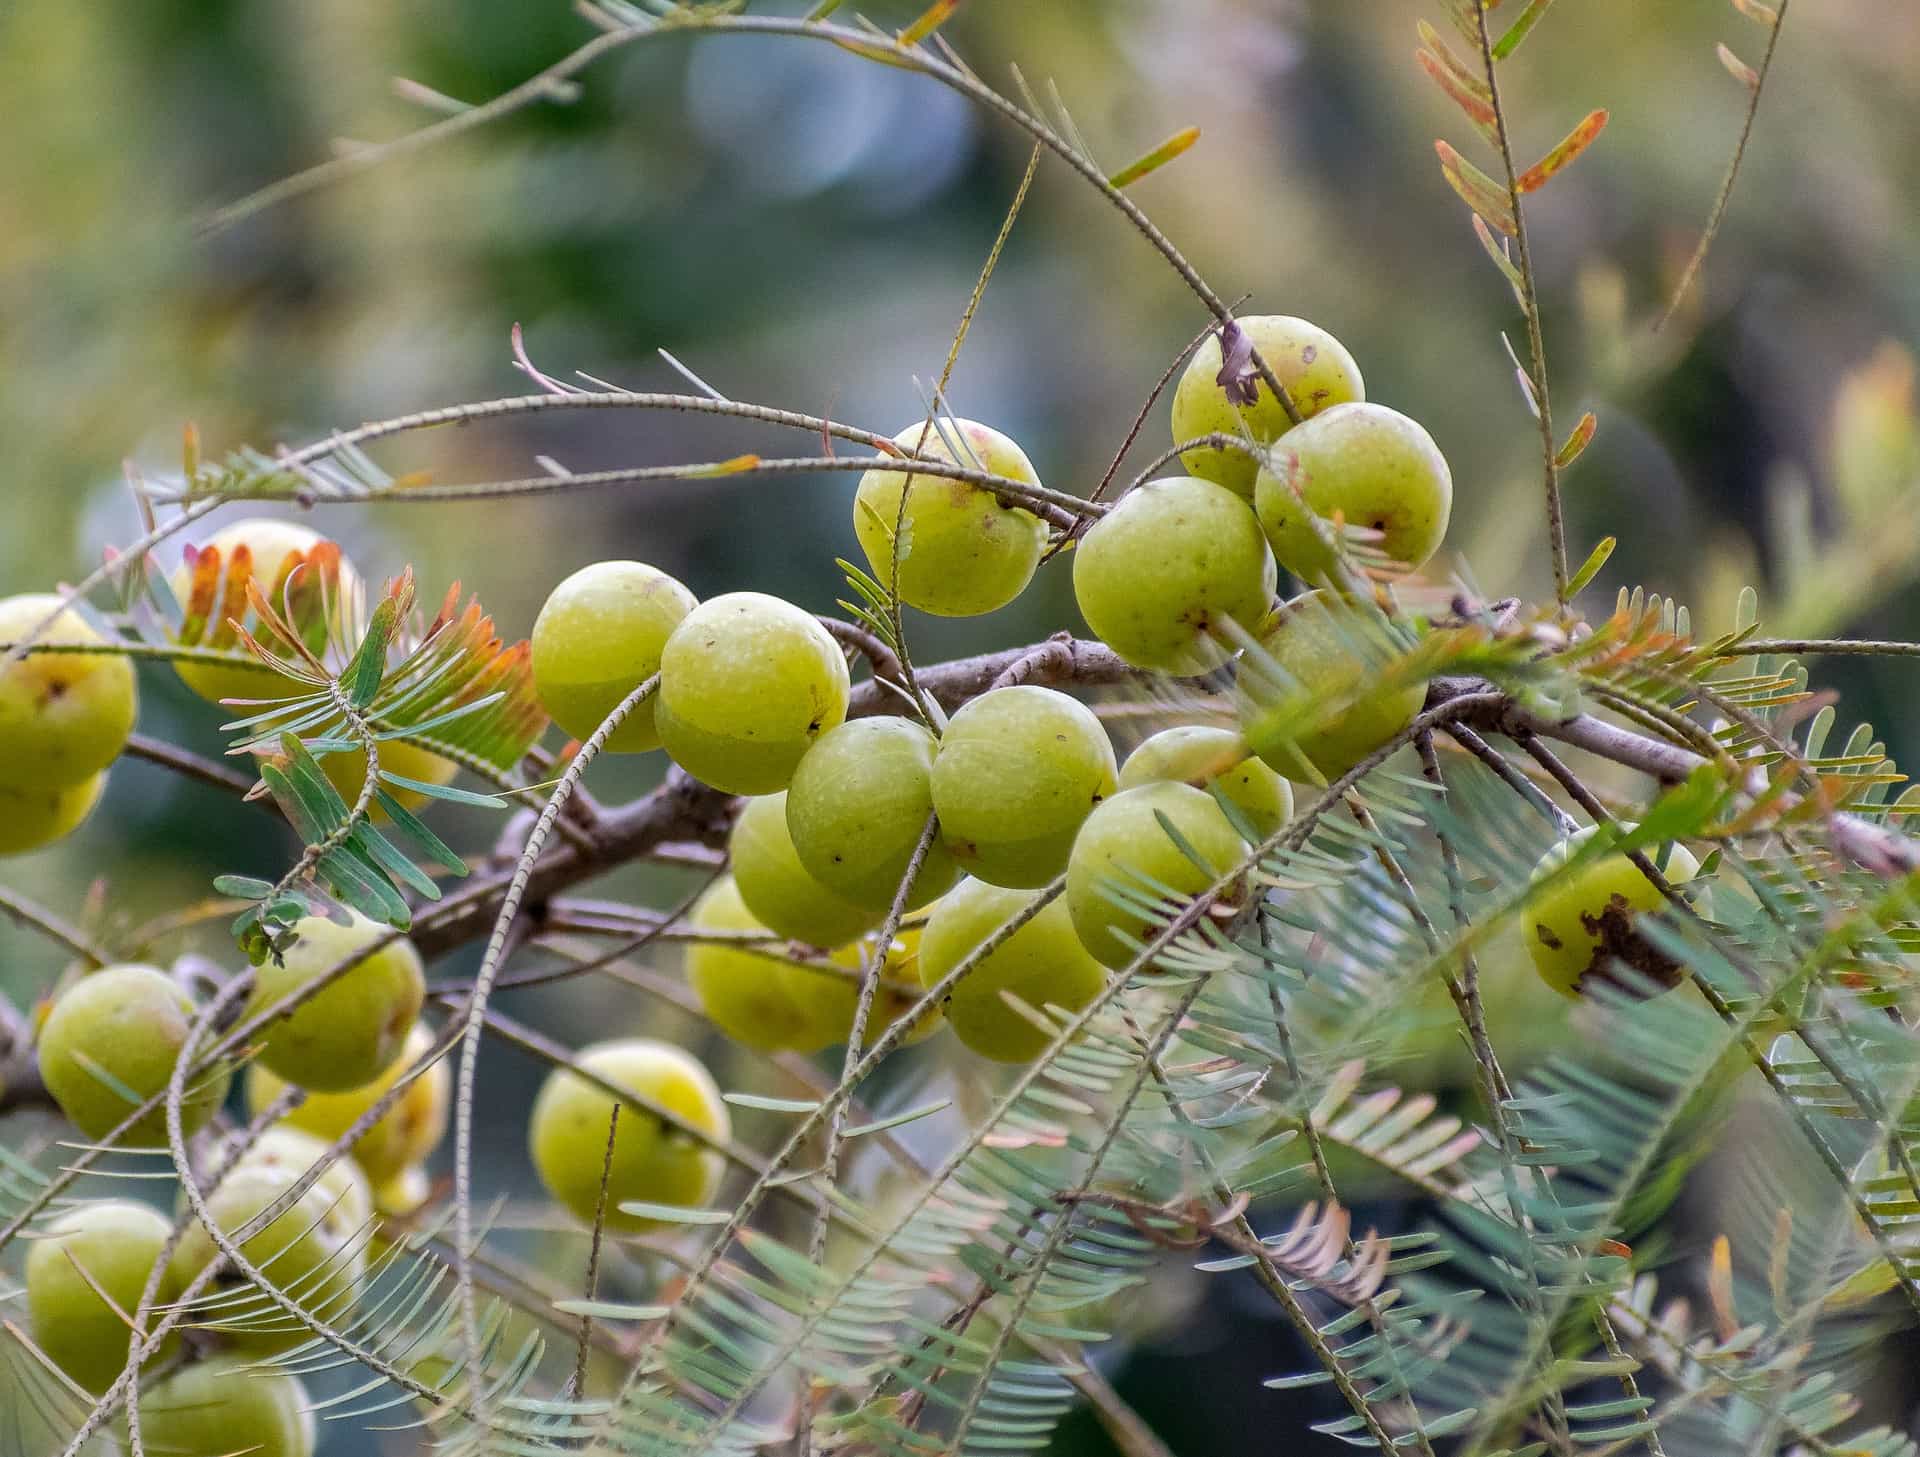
(747, 683)
(740, 988)
(1370, 466)
(291, 1152)
(1219, 761)
(111, 1042)
(1018, 770)
(315, 1251)
(269, 544)
(1166, 577)
(348, 1033)
(404, 1193)
(1582, 928)
(225, 1405)
(63, 716)
(858, 806)
(30, 818)
(653, 1162)
(1317, 692)
(408, 1132)
(964, 552)
(1313, 367)
(597, 639)
(1124, 847)
(98, 1252)
(779, 891)
(1042, 963)
(827, 1002)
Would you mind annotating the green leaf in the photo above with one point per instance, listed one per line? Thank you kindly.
(428, 843)
(244, 887)
(378, 848)
(1520, 29)
(1479, 191)
(772, 1105)
(1590, 568)
(674, 1214)
(912, 1115)
(1154, 160)
(447, 792)
(369, 665)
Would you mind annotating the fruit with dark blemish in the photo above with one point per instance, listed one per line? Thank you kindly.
(63, 716)
(1584, 927)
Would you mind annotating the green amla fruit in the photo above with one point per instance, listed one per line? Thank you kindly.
(111, 1042)
(227, 1405)
(348, 1033)
(291, 1152)
(1370, 466)
(1123, 846)
(1174, 575)
(963, 552)
(1018, 770)
(597, 639)
(653, 1162)
(315, 1252)
(63, 716)
(31, 818)
(283, 558)
(1316, 694)
(1220, 761)
(1043, 963)
(747, 684)
(827, 1002)
(408, 1132)
(98, 1252)
(740, 988)
(1314, 367)
(778, 889)
(858, 806)
(1582, 928)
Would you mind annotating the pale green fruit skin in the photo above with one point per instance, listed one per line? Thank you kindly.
(1018, 770)
(404, 1193)
(1319, 668)
(1042, 963)
(350, 1033)
(1162, 576)
(1123, 843)
(1581, 927)
(270, 543)
(1371, 465)
(290, 1152)
(63, 716)
(858, 805)
(220, 1405)
(116, 1242)
(747, 684)
(410, 1130)
(1219, 761)
(131, 1022)
(741, 990)
(964, 553)
(828, 1002)
(597, 639)
(31, 818)
(1313, 366)
(315, 1251)
(778, 890)
(652, 1163)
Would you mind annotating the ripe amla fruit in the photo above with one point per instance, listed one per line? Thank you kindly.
(324, 600)
(828, 1001)
(1313, 367)
(1369, 465)
(597, 639)
(63, 716)
(227, 1405)
(1318, 692)
(653, 1162)
(348, 1033)
(1164, 577)
(778, 890)
(111, 1042)
(961, 552)
(98, 1252)
(408, 1132)
(30, 818)
(747, 684)
(291, 1152)
(1043, 963)
(1583, 926)
(1018, 769)
(1124, 847)
(315, 1252)
(1217, 760)
(856, 811)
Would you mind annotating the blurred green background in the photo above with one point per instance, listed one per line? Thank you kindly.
(802, 229)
